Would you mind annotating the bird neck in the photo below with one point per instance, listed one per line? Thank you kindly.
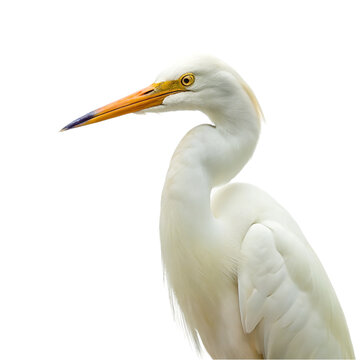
(192, 243)
(206, 157)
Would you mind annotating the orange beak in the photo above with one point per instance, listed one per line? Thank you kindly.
(152, 95)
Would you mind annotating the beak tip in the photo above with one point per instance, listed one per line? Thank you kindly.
(79, 122)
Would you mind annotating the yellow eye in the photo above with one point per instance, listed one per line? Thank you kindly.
(187, 79)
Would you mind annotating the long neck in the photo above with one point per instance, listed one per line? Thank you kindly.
(206, 157)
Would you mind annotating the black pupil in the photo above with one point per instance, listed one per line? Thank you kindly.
(186, 80)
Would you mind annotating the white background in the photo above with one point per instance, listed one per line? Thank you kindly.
(80, 266)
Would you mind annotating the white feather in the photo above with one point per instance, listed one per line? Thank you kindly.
(246, 281)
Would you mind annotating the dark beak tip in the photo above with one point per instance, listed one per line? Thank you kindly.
(80, 121)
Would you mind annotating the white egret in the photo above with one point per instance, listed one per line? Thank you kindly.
(246, 280)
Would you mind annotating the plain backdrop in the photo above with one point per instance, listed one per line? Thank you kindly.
(80, 263)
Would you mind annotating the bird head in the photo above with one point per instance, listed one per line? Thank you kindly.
(199, 83)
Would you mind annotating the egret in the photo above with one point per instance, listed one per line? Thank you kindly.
(246, 280)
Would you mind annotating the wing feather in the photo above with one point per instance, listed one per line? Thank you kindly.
(286, 298)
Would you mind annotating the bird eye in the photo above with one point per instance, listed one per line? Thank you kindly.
(187, 79)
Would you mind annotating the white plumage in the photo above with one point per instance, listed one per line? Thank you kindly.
(245, 278)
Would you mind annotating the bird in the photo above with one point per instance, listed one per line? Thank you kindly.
(246, 281)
